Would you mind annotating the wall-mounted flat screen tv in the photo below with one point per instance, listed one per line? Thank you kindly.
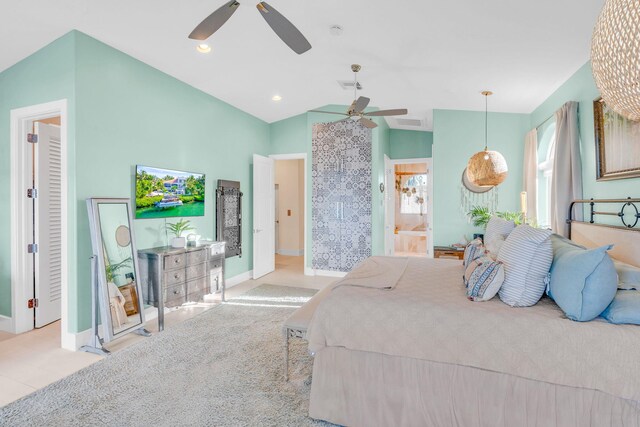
(164, 193)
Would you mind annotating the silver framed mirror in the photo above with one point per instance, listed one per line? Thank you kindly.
(117, 290)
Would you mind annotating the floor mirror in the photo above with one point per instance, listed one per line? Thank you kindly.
(117, 302)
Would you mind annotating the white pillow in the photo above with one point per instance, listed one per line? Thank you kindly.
(493, 247)
(527, 255)
(483, 278)
(497, 228)
(628, 275)
(474, 249)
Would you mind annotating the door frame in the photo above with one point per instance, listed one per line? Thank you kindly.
(20, 120)
(299, 156)
(428, 161)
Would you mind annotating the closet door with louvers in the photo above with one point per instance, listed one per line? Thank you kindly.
(48, 224)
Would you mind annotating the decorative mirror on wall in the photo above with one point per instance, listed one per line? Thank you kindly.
(472, 195)
(617, 144)
(229, 216)
(117, 294)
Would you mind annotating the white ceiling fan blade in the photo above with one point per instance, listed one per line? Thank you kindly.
(368, 123)
(396, 112)
(213, 22)
(361, 104)
(326, 112)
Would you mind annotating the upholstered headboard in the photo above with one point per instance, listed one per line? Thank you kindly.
(625, 237)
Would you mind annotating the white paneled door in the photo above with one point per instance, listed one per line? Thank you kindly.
(263, 216)
(47, 215)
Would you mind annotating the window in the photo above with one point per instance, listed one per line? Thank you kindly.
(413, 194)
(546, 157)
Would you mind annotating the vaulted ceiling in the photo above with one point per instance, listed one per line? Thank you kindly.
(419, 54)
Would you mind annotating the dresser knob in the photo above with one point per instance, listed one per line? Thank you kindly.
(176, 292)
(176, 276)
(176, 260)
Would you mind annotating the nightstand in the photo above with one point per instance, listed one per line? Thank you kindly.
(447, 252)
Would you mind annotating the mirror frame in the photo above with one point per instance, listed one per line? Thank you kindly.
(102, 291)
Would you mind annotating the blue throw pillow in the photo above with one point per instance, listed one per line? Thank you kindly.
(583, 281)
(625, 308)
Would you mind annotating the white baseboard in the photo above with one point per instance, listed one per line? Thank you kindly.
(291, 252)
(236, 280)
(328, 273)
(6, 324)
(77, 340)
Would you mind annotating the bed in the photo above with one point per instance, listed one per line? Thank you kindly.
(421, 354)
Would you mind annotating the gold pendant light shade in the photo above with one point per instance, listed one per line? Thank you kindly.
(615, 52)
(487, 169)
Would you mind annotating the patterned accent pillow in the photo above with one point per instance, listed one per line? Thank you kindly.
(497, 228)
(473, 250)
(527, 255)
(483, 278)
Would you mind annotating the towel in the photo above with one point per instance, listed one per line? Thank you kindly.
(376, 272)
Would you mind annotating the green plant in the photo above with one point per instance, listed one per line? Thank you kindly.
(480, 215)
(179, 227)
(111, 269)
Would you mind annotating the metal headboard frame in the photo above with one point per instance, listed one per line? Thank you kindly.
(627, 203)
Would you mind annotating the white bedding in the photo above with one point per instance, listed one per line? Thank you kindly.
(427, 317)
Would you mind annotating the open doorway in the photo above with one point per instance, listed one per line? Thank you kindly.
(290, 191)
(408, 210)
(39, 219)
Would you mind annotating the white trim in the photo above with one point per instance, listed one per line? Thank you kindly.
(429, 162)
(299, 156)
(290, 252)
(236, 280)
(6, 324)
(20, 118)
(327, 273)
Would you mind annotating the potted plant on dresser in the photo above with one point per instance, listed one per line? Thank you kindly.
(177, 229)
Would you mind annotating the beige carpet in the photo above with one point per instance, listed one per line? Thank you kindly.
(221, 368)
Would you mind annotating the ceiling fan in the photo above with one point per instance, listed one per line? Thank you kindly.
(278, 23)
(360, 103)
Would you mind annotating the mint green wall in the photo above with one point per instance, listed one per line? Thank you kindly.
(581, 87)
(410, 144)
(129, 113)
(457, 135)
(47, 75)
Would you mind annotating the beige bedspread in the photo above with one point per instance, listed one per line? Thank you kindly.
(428, 317)
(379, 272)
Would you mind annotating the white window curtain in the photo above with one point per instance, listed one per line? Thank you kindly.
(566, 182)
(530, 178)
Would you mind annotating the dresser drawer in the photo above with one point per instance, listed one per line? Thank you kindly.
(174, 277)
(174, 261)
(196, 271)
(196, 296)
(175, 295)
(217, 249)
(196, 257)
(216, 263)
(199, 285)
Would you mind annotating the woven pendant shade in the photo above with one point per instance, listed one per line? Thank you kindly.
(615, 56)
(487, 169)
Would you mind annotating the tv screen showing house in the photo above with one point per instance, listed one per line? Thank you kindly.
(163, 193)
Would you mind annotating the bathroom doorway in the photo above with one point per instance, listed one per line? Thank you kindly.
(409, 208)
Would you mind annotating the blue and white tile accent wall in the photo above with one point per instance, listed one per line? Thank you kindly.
(341, 195)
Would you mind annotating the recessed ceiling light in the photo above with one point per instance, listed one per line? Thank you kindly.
(276, 98)
(203, 48)
(335, 30)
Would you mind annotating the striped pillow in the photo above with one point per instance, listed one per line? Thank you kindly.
(473, 250)
(483, 278)
(497, 228)
(527, 255)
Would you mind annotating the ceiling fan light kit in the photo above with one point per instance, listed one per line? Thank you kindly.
(614, 56)
(280, 25)
(357, 107)
(487, 168)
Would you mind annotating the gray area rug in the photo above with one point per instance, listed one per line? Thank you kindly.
(223, 367)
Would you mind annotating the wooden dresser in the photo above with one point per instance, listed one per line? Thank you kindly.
(171, 277)
(447, 252)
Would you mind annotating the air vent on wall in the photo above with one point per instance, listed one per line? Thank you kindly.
(409, 122)
(348, 85)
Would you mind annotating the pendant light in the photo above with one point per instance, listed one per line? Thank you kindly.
(615, 49)
(487, 168)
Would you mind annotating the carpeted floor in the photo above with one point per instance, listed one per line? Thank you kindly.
(221, 368)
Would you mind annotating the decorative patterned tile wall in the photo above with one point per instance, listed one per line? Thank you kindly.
(341, 197)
